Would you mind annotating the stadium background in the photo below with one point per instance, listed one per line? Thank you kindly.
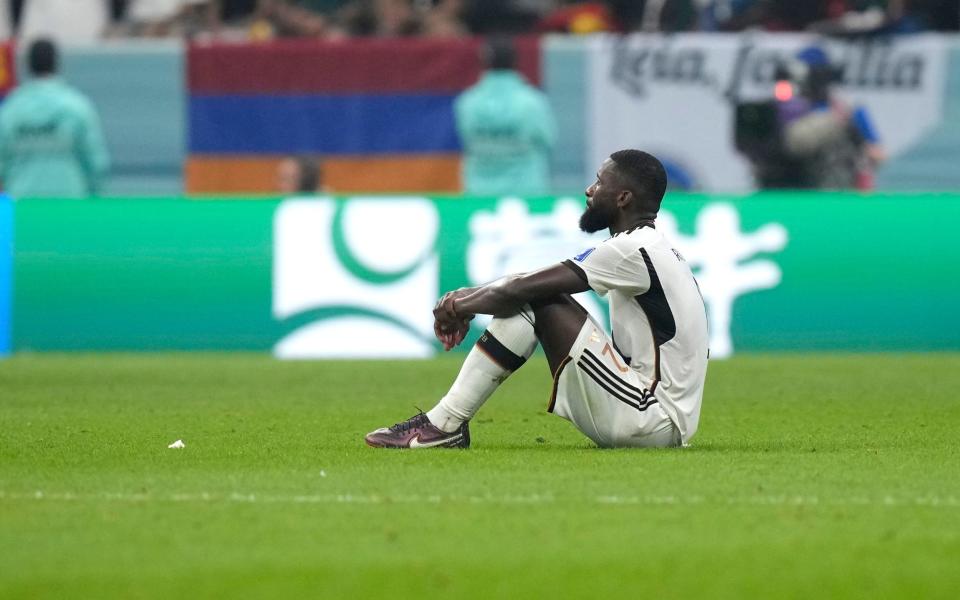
(208, 121)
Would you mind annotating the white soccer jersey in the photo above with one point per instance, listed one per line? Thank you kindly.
(657, 315)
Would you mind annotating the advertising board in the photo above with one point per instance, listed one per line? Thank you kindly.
(358, 276)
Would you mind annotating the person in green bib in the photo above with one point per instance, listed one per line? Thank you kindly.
(507, 130)
(51, 142)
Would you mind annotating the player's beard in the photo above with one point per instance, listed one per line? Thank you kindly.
(594, 219)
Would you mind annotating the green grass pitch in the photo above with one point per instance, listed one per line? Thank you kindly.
(812, 476)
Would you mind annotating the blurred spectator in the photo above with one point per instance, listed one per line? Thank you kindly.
(87, 20)
(16, 9)
(729, 15)
(159, 18)
(6, 21)
(836, 17)
(486, 17)
(507, 129)
(51, 144)
(579, 17)
(66, 22)
(771, 15)
(853, 16)
(298, 18)
(385, 18)
(790, 15)
(231, 19)
(444, 18)
(395, 17)
(299, 175)
(655, 15)
(235, 11)
(890, 16)
(939, 15)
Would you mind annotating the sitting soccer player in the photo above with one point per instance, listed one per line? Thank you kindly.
(641, 387)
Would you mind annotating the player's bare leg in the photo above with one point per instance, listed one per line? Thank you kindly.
(558, 322)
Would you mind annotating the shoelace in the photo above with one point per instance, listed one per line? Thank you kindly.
(414, 421)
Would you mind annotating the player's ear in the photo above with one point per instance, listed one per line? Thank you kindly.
(624, 199)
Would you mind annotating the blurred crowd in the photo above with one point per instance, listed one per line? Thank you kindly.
(76, 21)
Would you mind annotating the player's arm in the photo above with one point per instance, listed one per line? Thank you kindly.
(509, 294)
(92, 149)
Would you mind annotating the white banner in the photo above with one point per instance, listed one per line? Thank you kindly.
(674, 96)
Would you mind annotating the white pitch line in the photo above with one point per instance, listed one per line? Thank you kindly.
(529, 499)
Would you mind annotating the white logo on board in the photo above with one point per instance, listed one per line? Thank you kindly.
(511, 239)
(717, 252)
(361, 274)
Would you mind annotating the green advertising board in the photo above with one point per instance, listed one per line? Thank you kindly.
(6, 272)
(323, 277)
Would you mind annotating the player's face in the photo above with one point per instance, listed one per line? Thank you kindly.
(601, 201)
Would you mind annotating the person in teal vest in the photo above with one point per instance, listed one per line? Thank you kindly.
(51, 142)
(506, 128)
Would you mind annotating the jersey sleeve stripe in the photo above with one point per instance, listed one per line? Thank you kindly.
(576, 269)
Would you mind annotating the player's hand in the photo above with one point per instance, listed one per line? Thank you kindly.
(449, 326)
(445, 311)
(451, 335)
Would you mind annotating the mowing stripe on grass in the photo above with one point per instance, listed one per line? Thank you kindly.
(348, 498)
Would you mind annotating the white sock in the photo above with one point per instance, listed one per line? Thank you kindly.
(502, 349)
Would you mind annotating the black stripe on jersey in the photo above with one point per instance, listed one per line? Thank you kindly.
(593, 358)
(640, 395)
(587, 369)
(576, 269)
(655, 306)
(499, 353)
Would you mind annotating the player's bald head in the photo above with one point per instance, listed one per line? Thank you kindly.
(641, 174)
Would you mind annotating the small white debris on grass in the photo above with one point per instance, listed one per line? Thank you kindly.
(177, 444)
(323, 473)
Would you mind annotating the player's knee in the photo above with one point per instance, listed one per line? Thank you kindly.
(562, 307)
(557, 325)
